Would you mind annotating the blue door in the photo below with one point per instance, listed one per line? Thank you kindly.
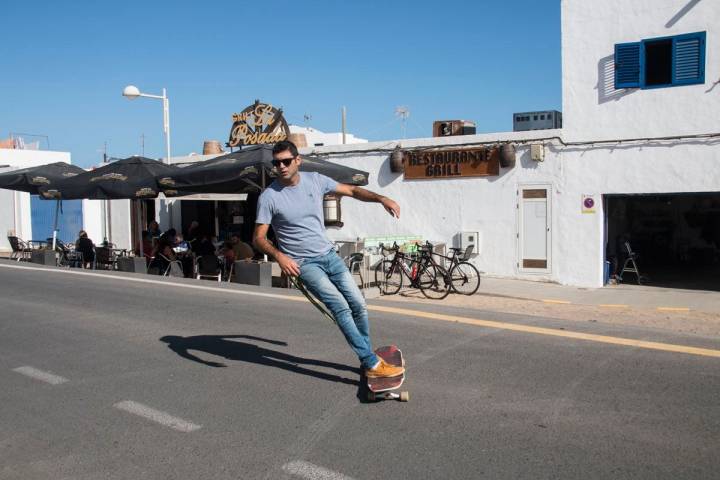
(70, 219)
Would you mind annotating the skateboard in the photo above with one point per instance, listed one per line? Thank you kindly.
(382, 388)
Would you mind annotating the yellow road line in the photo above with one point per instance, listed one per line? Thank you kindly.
(673, 309)
(666, 347)
(613, 305)
(561, 302)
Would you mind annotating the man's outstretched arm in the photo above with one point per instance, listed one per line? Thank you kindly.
(365, 195)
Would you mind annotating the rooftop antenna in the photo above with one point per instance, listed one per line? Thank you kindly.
(403, 112)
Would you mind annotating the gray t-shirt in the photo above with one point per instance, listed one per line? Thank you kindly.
(296, 215)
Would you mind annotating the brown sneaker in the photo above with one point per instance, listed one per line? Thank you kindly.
(384, 369)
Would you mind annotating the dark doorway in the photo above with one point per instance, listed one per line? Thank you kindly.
(201, 211)
(676, 237)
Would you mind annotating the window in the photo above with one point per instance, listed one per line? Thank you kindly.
(661, 62)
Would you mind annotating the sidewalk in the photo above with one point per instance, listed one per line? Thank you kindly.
(611, 296)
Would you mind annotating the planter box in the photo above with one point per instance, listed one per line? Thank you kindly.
(254, 273)
(132, 264)
(43, 257)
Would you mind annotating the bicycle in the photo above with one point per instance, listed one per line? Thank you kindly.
(461, 276)
(423, 276)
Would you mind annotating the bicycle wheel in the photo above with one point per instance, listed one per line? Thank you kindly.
(432, 282)
(464, 278)
(388, 277)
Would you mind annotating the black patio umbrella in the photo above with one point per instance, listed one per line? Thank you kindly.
(129, 178)
(250, 170)
(32, 178)
(133, 178)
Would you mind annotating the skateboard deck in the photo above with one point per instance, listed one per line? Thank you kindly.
(382, 388)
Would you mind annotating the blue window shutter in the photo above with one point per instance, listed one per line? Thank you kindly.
(688, 59)
(627, 65)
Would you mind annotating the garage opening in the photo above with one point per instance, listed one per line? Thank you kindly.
(676, 238)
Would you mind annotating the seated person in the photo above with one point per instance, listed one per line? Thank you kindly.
(204, 245)
(154, 229)
(228, 254)
(162, 256)
(85, 246)
(243, 251)
(147, 245)
(169, 236)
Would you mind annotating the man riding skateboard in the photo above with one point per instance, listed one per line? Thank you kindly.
(293, 205)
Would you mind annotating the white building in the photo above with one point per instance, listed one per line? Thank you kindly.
(317, 138)
(646, 155)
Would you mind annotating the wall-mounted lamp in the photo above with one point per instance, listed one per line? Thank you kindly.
(507, 155)
(396, 160)
(332, 211)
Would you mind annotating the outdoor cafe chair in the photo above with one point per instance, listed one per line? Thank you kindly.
(21, 250)
(104, 259)
(208, 266)
(162, 265)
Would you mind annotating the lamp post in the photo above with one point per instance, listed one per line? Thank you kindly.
(132, 92)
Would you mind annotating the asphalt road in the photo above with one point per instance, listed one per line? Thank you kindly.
(106, 377)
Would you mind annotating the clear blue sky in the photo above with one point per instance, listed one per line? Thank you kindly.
(65, 63)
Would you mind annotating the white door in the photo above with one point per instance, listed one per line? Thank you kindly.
(534, 231)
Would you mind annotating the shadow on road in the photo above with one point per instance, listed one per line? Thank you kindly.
(228, 347)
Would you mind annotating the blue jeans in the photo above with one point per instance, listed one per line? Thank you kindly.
(328, 278)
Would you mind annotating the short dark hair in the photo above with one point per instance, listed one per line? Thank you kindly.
(283, 146)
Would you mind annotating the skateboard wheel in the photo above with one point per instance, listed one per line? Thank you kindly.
(404, 396)
(371, 396)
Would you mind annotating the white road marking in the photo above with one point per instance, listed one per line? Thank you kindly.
(40, 375)
(312, 472)
(157, 416)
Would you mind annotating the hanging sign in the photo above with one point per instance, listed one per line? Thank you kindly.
(258, 124)
(468, 162)
(588, 203)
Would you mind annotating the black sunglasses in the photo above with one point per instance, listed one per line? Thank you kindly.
(284, 161)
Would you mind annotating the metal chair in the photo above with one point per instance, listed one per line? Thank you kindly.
(162, 265)
(21, 250)
(354, 262)
(104, 258)
(630, 265)
(208, 266)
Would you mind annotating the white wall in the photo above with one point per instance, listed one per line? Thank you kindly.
(438, 210)
(120, 223)
(594, 110)
(93, 220)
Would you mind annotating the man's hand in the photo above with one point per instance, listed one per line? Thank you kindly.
(391, 206)
(288, 265)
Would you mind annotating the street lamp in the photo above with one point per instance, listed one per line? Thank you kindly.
(132, 92)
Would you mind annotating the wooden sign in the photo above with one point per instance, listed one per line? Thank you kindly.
(258, 124)
(469, 162)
